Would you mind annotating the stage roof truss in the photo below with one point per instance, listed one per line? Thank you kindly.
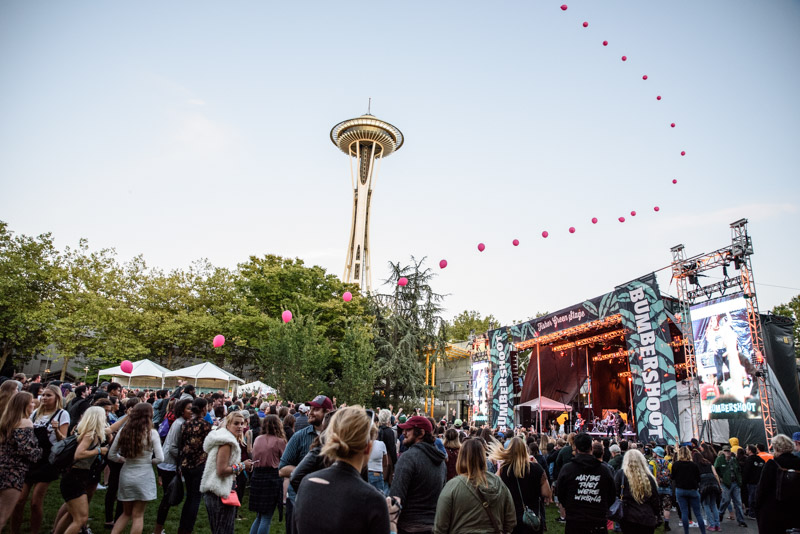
(609, 321)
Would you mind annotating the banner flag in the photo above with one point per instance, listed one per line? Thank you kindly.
(502, 384)
(652, 364)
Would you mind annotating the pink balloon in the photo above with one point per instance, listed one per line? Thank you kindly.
(594, 220)
(633, 214)
(672, 125)
(656, 208)
(545, 234)
(442, 264)
(563, 7)
(644, 77)
(622, 219)
(658, 97)
(572, 229)
(403, 281)
(481, 247)
(674, 181)
(126, 366)
(605, 43)
(683, 152)
(624, 58)
(515, 242)
(219, 340)
(286, 316)
(347, 297)
(585, 24)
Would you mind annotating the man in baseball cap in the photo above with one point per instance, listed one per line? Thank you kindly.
(419, 476)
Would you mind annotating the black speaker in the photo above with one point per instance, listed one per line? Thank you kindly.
(525, 416)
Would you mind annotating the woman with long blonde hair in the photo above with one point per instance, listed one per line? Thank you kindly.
(640, 501)
(526, 480)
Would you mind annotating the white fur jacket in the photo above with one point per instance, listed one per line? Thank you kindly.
(212, 482)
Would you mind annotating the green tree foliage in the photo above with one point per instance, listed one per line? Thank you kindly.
(357, 353)
(469, 322)
(792, 310)
(29, 273)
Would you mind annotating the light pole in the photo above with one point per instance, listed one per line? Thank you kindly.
(85, 373)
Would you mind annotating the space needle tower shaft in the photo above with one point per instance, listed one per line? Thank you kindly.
(366, 140)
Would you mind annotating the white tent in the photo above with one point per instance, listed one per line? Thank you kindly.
(548, 405)
(207, 372)
(142, 368)
(257, 387)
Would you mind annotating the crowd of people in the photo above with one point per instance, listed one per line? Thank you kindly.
(328, 468)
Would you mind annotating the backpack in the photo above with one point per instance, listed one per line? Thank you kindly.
(163, 428)
(62, 455)
(787, 487)
(663, 477)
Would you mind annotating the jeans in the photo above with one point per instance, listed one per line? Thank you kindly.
(732, 494)
(687, 498)
(261, 524)
(751, 499)
(377, 481)
(712, 513)
(191, 504)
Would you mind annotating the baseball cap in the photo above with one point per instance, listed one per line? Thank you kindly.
(304, 408)
(796, 436)
(458, 422)
(417, 421)
(659, 451)
(726, 448)
(321, 401)
(403, 418)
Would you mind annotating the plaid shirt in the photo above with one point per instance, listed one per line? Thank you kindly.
(296, 450)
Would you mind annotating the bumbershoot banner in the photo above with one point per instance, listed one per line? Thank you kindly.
(644, 321)
(502, 384)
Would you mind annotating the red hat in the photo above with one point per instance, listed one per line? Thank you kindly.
(321, 401)
(417, 421)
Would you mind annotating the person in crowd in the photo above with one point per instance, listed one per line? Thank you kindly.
(298, 447)
(420, 476)
(288, 425)
(192, 462)
(8, 389)
(593, 481)
(475, 500)
(138, 448)
(336, 499)
(266, 486)
(19, 448)
(728, 470)
(641, 500)
(50, 425)
(188, 392)
(452, 445)
(221, 469)
(114, 468)
(796, 440)
(77, 480)
(301, 417)
(661, 472)
(778, 512)
(751, 474)
(710, 490)
(160, 406)
(389, 439)
(168, 469)
(686, 476)
(378, 465)
(525, 479)
(615, 452)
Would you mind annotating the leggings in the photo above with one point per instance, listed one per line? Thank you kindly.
(163, 506)
(191, 505)
(114, 469)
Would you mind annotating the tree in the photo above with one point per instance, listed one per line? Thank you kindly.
(29, 274)
(791, 310)
(469, 322)
(357, 354)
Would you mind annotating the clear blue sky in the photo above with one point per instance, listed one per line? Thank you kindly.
(182, 130)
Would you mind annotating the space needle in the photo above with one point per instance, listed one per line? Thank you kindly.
(366, 140)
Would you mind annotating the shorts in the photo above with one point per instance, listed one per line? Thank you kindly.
(41, 471)
(665, 494)
(74, 483)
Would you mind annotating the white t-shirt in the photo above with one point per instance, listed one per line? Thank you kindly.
(376, 456)
(44, 420)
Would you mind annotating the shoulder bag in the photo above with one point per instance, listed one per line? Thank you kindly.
(174, 489)
(529, 517)
(615, 513)
(485, 505)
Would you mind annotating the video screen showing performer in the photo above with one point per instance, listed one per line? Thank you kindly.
(724, 353)
(480, 391)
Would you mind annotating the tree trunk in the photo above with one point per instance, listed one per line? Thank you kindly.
(64, 369)
(6, 354)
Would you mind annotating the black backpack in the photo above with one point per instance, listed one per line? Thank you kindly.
(62, 455)
(787, 488)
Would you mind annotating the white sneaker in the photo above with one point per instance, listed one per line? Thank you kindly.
(101, 487)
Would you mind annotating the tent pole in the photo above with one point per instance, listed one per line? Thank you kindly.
(539, 382)
(589, 382)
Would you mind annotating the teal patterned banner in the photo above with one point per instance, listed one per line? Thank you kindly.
(652, 364)
(502, 383)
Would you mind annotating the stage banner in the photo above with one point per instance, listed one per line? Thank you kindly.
(644, 321)
(502, 386)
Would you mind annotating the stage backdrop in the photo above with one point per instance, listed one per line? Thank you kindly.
(502, 386)
(652, 364)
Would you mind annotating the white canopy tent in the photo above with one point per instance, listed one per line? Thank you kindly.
(142, 368)
(206, 372)
(258, 387)
(548, 405)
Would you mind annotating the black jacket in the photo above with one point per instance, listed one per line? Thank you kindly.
(647, 513)
(386, 435)
(419, 477)
(753, 466)
(586, 489)
(774, 516)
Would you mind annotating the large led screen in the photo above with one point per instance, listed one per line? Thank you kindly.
(480, 391)
(723, 349)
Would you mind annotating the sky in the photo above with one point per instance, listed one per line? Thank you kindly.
(186, 130)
